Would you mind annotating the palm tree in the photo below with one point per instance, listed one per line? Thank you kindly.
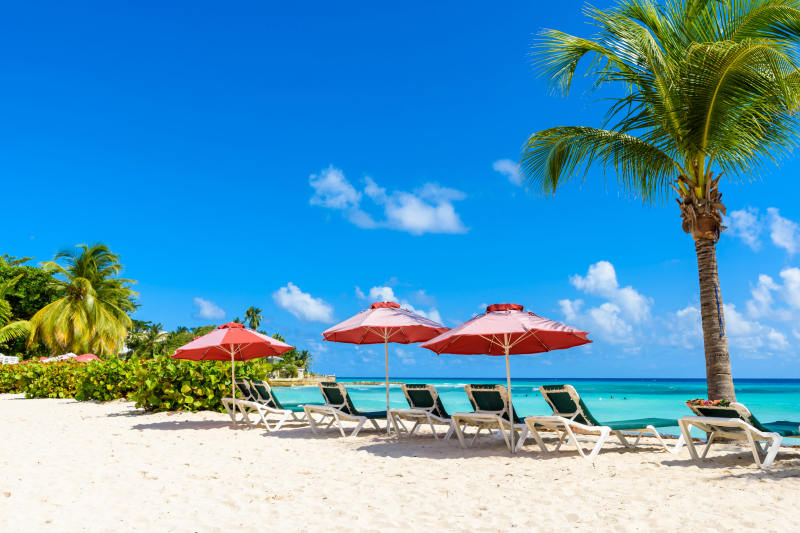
(181, 329)
(93, 314)
(10, 330)
(152, 341)
(709, 85)
(253, 317)
(305, 359)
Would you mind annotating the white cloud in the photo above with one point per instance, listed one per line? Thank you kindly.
(383, 293)
(303, 305)
(685, 328)
(601, 280)
(360, 294)
(783, 232)
(751, 336)
(745, 225)
(207, 310)
(332, 190)
(603, 321)
(761, 304)
(509, 169)
(428, 209)
(791, 286)
(405, 357)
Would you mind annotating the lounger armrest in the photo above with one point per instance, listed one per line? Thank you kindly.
(553, 422)
(701, 421)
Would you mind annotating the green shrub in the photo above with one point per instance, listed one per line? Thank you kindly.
(164, 384)
(9, 379)
(106, 380)
(50, 380)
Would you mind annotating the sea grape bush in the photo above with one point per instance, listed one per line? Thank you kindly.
(106, 380)
(163, 384)
(159, 384)
(50, 380)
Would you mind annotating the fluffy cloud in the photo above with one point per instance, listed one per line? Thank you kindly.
(745, 225)
(428, 209)
(783, 232)
(762, 303)
(383, 293)
(750, 336)
(604, 321)
(207, 310)
(509, 169)
(684, 328)
(303, 305)
(601, 280)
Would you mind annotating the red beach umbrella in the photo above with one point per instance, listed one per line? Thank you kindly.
(505, 329)
(384, 322)
(231, 342)
(85, 358)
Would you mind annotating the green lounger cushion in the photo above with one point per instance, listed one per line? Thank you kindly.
(374, 414)
(423, 399)
(784, 428)
(781, 427)
(490, 400)
(641, 423)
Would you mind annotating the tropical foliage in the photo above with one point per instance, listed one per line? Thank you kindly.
(253, 317)
(92, 315)
(29, 293)
(706, 86)
(10, 329)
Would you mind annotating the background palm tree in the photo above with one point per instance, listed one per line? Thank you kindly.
(93, 314)
(151, 342)
(710, 85)
(253, 317)
(10, 329)
(304, 359)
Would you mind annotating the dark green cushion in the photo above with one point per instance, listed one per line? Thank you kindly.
(784, 428)
(374, 414)
(641, 423)
(489, 399)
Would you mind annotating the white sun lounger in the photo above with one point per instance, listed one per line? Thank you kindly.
(265, 404)
(569, 412)
(735, 421)
(490, 403)
(425, 407)
(231, 405)
(339, 407)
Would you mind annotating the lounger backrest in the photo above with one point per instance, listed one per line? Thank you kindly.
(420, 396)
(244, 388)
(734, 410)
(265, 395)
(490, 398)
(565, 401)
(336, 395)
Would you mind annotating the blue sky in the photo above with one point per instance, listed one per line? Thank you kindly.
(309, 158)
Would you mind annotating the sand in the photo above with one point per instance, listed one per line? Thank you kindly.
(69, 466)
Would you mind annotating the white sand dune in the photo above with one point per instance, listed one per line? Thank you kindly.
(69, 466)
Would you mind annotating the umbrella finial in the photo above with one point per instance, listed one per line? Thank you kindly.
(503, 307)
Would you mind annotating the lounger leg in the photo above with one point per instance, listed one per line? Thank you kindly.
(523, 435)
(773, 451)
(624, 441)
(687, 437)
(538, 438)
(375, 423)
(449, 431)
(358, 427)
(678, 445)
(460, 433)
(604, 433)
(433, 428)
(282, 420)
(393, 418)
(708, 445)
(561, 440)
(476, 435)
(311, 421)
(417, 425)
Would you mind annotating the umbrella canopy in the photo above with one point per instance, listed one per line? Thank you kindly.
(507, 329)
(85, 358)
(507, 326)
(231, 342)
(384, 322)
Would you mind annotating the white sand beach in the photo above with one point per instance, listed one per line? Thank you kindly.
(69, 466)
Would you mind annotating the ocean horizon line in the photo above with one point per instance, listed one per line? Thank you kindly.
(503, 378)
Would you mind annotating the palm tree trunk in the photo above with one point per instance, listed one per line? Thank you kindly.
(718, 362)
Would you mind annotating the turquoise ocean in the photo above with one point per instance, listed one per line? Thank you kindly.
(608, 399)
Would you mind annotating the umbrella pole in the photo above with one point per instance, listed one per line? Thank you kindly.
(386, 350)
(233, 387)
(510, 404)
